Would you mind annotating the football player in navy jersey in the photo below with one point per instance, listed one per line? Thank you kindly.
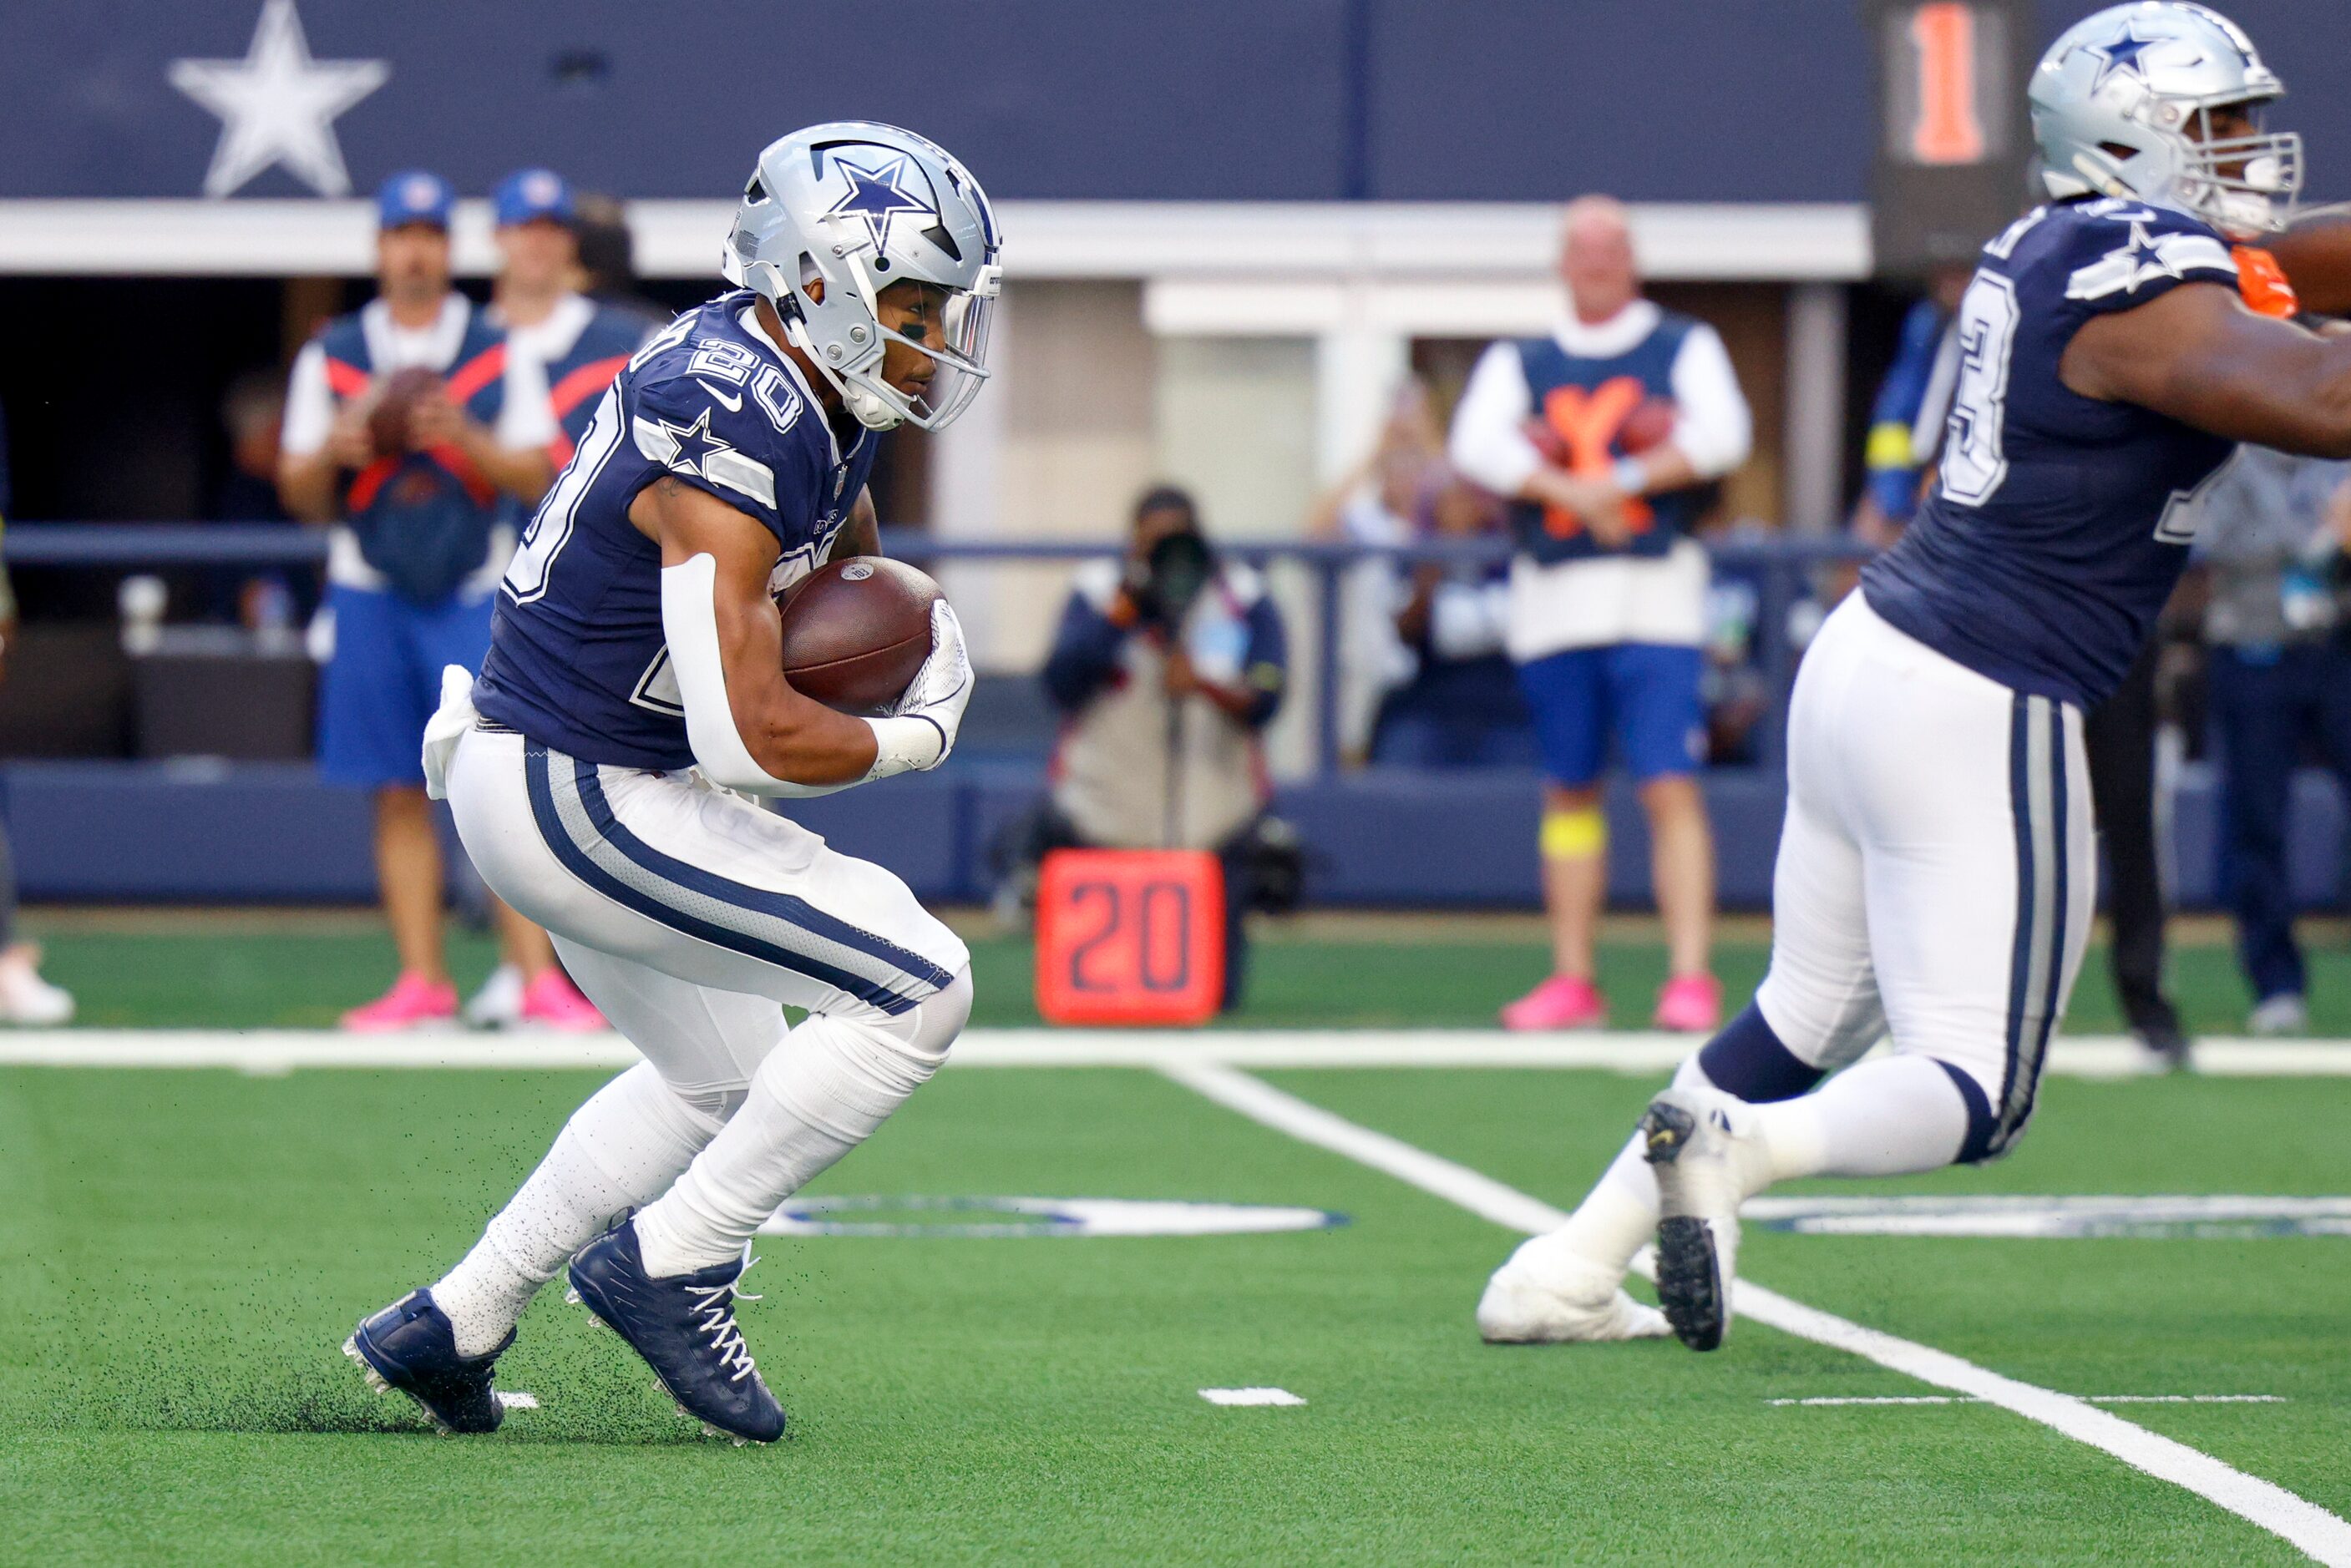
(601, 770)
(1935, 869)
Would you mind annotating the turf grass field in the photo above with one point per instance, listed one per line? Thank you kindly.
(196, 1243)
(165, 969)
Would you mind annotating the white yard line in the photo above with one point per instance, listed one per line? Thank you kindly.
(2320, 1534)
(270, 1051)
(2092, 1398)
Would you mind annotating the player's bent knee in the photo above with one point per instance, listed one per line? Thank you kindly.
(941, 1016)
(1986, 1137)
(1750, 1060)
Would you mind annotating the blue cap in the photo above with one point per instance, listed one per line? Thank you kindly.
(528, 193)
(413, 196)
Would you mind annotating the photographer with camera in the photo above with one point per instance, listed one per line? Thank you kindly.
(1167, 667)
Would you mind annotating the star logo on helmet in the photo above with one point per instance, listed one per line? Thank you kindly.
(2122, 55)
(876, 195)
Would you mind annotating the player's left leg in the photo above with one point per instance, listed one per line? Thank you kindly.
(1816, 1011)
(620, 1149)
(1971, 805)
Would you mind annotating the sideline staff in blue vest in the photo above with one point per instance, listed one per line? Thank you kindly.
(420, 538)
(1601, 433)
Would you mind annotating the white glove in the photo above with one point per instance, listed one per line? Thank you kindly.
(919, 730)
(448, 727)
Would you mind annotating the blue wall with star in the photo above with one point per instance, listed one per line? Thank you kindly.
(1211, 99)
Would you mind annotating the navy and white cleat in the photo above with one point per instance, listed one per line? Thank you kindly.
(410, 1347)
(684, 1325)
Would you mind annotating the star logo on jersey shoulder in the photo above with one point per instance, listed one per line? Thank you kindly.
(687, 448)
(694, 449)
(876, 196)
(2144, 258)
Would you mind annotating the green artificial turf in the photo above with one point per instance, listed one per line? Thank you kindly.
(190, 1248)
(182, 974)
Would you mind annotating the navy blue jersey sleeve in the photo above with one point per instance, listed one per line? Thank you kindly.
(1265, 668)
(751, 451)
(1084, 656)
(2119, 256)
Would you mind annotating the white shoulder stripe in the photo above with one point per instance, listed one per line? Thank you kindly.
(2143, 260)
(747, 474)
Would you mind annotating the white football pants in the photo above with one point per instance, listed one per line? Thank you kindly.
(689, 915)
(1937, 869)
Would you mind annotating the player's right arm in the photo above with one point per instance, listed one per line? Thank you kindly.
(725, 644)
(748, 728)
(2197, 354)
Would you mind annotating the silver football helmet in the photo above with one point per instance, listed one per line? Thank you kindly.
(858, 206)
(2121, 107)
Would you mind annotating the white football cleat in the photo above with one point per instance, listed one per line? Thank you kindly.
(1707, 1166)
(1543, 1295)
(25, 996)
(499, 1004)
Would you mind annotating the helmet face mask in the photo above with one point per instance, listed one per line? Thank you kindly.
(2125, 104)
(835, 215)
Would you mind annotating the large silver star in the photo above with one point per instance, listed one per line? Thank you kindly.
(278, 105)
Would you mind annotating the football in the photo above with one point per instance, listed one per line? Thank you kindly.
(857, 630)
(395, 400)
(1649, 424)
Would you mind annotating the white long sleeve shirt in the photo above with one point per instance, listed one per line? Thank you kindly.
(1605, 600)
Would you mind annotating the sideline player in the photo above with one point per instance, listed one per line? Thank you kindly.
(1607, 597)
(633, 697)
(1934, 871)
(413, 564)
(581, 345)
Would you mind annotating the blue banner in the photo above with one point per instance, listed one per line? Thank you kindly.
(1699, 100)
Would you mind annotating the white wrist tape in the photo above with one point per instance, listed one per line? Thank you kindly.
(905, 745)
(690, 623)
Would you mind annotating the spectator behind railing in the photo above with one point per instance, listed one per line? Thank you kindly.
(1603, 434)
(1461, 707)
(273, 602)
(1385, 500)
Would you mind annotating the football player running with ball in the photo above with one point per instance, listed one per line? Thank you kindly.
(1935, 869)
(633, 697)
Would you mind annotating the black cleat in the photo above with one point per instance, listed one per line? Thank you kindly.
(684, 1325)
(1685, 1139)
(410, 1347)
(1689, 1283)
(2166, 1045)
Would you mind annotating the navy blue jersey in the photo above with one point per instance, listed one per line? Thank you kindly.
(1584, 403)
(2058, 525)
(579, 659)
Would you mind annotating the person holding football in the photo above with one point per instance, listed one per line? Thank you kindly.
(1603, 435)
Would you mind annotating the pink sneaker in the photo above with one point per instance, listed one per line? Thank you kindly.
(414, 1001)
(552, 1002)
(1563, 1002)
(1690, 1004)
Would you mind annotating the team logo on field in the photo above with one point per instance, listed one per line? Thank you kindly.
(881, 1216)
(2222, 1218)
